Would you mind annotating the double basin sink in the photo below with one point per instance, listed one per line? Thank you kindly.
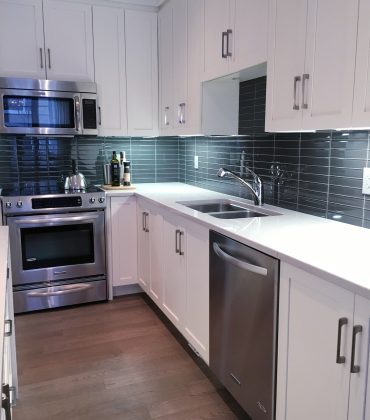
(228, 209)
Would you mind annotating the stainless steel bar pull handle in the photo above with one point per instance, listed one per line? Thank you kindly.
(66, 291)
(341, 323)
(223, 54)
(305, 77)
(357, 329)
(229, 32)
(8, 333)
(143, 221)
(77, 112)
(146, 222)
(182, 114)
(181, 252)
(166, 120)
(99, 111)
(177, 234)
(297, 79)
(244, 265)
(41, 59)
(49, 57)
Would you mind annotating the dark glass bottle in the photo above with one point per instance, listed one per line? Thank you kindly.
(126, 173)
(115, 170)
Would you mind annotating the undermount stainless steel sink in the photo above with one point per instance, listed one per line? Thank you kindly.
(228, 209)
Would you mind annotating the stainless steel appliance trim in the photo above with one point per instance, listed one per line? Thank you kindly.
(54, 220)
(47, 85)
(62, 290)
(295, 91)
(77, 106)
(244, 265)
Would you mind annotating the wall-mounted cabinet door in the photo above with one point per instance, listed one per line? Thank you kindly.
(110, 70)
(249, 37)
(328, 79)
(361, 100)
(216, 23)
(165, 36)
(141, 72)
(22, 39)
(285, 64)
(68, 40)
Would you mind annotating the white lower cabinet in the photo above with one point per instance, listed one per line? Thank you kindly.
(122, 241)
(322, 351)
(173, 271)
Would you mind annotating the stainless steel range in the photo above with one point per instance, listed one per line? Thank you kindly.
(57, 242)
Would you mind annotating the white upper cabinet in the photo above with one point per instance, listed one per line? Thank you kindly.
(68, 41)
(49, 39)
(165, 49)
(22, 39)
(235, 34)
(110, 71)
(311, 65)
(141, 72)
(361, 101)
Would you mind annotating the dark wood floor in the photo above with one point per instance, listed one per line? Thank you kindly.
(113, 360)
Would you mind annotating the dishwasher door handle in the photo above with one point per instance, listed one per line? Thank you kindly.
(244, 265)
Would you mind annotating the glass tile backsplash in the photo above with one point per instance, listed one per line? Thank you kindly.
(316, 173)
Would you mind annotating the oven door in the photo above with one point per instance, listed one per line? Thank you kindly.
(41, 112)
(47, 248)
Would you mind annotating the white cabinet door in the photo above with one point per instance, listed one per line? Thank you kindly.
(143, 247)
(124, 240)
(174, 271)
(249, 37)
(141, 72)
(361, 100)
(195, 65)
(285, 64)
(165, 36)
(110, 70)
(317, 386)
(180, 64)
(22, 39)
(68, 41)
(359, 402)
(216, 23)
(196, 319)
(330, 64)
(154, 226)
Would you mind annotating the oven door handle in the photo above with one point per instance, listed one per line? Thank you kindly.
(67, 290)
(56, 220)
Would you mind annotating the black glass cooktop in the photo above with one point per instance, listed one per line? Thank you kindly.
(47, 188)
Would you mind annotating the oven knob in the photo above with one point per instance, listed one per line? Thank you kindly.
(92, 200)
(8, 204)
(19, 204)
(101, 200)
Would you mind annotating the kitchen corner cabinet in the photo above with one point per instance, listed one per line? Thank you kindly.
(141, 72)
(49, 39)
(306, 89)
(323, 349)
(110, 70)
(122, 241)
(231, 43)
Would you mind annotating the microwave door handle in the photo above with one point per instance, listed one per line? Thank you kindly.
(77, 104)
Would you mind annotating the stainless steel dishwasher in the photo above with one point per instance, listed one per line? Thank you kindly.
(243, 323)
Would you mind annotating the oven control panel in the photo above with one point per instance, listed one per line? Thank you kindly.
(53, 203)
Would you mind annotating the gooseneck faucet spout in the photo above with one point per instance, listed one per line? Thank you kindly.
(256, 188)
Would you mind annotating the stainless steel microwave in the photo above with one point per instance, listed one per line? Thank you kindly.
(47, 107)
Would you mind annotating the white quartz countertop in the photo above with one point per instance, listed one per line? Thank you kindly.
(334, 251)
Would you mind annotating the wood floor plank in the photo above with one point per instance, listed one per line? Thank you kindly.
(114, 360)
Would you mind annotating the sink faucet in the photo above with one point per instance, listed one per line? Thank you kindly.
(256, 188)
